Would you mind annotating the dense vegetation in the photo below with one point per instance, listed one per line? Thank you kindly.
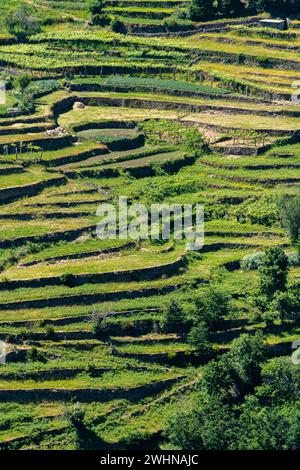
(125, 344)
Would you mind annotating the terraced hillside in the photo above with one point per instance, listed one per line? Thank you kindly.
(84, 319)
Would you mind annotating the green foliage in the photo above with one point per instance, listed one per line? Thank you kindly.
(21, 22)
(75, 414)
(117, 26)
(202, 10)
(229, 8)
(273, 272)
(253, 261)
(96, 7)
(198, 338)
(245, 356)
(212, 304)
(158, 131)
(280, 381)
(22, 82)
(265, 33)
(256, 260)
(263, 211)
(68, 280)
(173, 23)
(174, 317)
(286, 304)
(289, 208)
(209, 426)
(267, 428)
(34, 355)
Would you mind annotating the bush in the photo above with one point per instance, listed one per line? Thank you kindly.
(177, 24)
(256, 260)
(49, 331)
(21, 22)
(253, 261)
(117, 26)
(289, 208)
(68, 280)
(202, 10)
(34, 355)
(174, 318)
(198, 338)
(273, 272)
(212, 305)
(75, 414)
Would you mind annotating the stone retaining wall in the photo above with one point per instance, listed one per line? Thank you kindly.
(85, 395)
(88, 299)
(12, 193)
(150, 273)
(67, 235)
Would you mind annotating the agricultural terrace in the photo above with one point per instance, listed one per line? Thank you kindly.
(121, 332)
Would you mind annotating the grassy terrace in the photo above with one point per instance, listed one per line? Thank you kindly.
(118, 263)
(215, 103)
(96, 113)
(24, 178)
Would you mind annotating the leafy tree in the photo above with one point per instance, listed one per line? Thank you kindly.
(273, 272)
(209, 426)
(198, 338)
(22, 23)
(183, 430)
(286, 303)
(96, 7)
(202, 10)
(280, 7)
(267, 428)
(280, 381)
(212, 304)
(229, 8)
(117, 26)
(218, 378)
(22, 82)
(96, 12)
(174, 318)
(245, 356)
(193, 139)
(290, 215)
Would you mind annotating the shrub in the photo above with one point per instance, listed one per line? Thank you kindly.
(49, 331)
(273, 272)
(174, 318)
(22, 23)
(68, 280)
(75, 414)
(253, 261)
(212, 305)
(34, 355)
(289, 208)
(256, 260)
(176, 24)
(117, 26)
(202, 10)
(198, 338)
(91, 370)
